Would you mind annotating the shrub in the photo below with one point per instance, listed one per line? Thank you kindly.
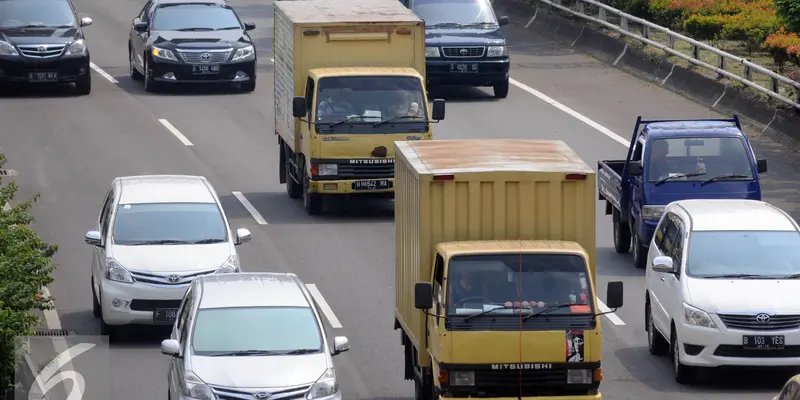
(752, 25)
(663, 15)
(25, 267)
(789, 10)
(705, 27)
(783, 47)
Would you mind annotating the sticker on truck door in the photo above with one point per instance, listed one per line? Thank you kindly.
(574, 346)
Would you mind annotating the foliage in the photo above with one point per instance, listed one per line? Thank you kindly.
(783, 47)
(789, 11)
(751, 25)
(25, 267)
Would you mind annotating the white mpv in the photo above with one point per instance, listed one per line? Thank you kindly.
(722, 286)
(154, 235)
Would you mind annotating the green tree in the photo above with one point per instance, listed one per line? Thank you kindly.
(789, 11)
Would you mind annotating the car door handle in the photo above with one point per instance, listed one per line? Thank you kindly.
(662, 278)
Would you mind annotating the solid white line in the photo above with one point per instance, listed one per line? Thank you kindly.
(102, 73)
(611, 317)
(547, 99)
(50, 316)
(175, 132)
(249, 207)
(326, 309)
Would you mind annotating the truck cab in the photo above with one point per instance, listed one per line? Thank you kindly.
(675, 160)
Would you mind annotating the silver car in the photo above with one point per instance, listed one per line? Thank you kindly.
(251, 336)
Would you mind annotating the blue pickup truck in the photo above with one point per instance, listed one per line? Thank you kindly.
(674, 160)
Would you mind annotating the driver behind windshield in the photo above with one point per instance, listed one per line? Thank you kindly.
(466, 289)
(332, 105)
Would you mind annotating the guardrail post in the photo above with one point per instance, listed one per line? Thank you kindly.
(748, 73)
(602, 15)
(695, 52)
(774, 85)
(721, 65)
(646, 31)
(623, 23)
(671, 40)
(797, 96)
(579, 6)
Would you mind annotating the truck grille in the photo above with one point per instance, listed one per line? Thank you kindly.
(532, 383)
(748, 322)
(205, 56)
(464, 52)
(371, 171)
(41, 50)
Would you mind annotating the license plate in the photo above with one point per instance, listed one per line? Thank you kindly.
(464, 68)
(165, 315)
(762, 342)
(42, 76)
(205, 69)
(372, 184)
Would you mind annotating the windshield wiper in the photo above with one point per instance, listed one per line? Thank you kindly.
(163, 241)
(792, 276)
(301, 351)
(247, 353)
(549, 310)
(207, 241)
(474, 24)
(724, 178)
(444, 24)
(469, 317)
(37, 26)
(734, 276)
(348, 119)
(398, 118)
(229, 28)
(676, 176)
(194, 29)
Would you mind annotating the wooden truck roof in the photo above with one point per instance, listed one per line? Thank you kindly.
(344, 11)
(491, 155)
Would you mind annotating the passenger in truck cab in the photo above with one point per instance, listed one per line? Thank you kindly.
(330, 106)
(466, 288)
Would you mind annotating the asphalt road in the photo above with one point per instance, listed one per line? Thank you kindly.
(70, 148)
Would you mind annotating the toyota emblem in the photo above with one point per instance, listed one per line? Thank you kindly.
(261, 395)
(762, 318)
(463, 52)
(173, 278)
(205, 56)
(42, 49)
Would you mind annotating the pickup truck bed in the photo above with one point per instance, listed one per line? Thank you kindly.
(609, 181)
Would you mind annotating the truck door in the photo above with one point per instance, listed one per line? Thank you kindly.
(634, 182)
(436, 326)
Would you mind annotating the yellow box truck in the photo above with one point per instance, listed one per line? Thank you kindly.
(495, 270)
(349, 81)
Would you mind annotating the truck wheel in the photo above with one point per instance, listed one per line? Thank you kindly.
(622, 237)
(501, 89)
(293, 188)
(639, 252)
(311, 201)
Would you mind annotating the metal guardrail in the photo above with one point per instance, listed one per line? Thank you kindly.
(724, 58)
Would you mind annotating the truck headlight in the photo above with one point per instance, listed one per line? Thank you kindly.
(579, 376)
(697, 317)
(327, 169)
(432, 52)
(462, 378)
(652, 212)
(496, 51)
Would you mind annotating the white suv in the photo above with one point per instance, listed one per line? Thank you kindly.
(722, 286)
(154, 235)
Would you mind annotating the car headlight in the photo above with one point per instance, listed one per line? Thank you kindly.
(116, 272)
(245, 53)
(697, 317)
(325, 386)
(327, 169)
(6, 49)
(163, 53)
(432, 52)
(496, 51)
(195, 388)
(579, 376)
(652, 212)
(230, 265)
(462, 378)
(77, 47)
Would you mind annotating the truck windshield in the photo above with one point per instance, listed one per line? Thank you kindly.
(749, 254)
(440, 13)
(702, 158)
(514, 282)
(356, 104)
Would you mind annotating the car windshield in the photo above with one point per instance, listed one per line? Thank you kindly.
(461, 12)
(252, 329)
(35, 13)
(531, 282)
(188, 17)
(169, 223)
(764, 253)
(702, 157)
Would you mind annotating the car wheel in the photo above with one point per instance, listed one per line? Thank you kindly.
(656, 344)
(134, 73)
(639, 252)
(83, 86)
(149, 84)
(501, 89)
(684, 374)
(96, 308)
(248, 87)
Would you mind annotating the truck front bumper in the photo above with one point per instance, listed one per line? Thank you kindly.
(598, 396)
(383, 186)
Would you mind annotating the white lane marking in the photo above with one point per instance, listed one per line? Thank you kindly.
(249, 207)
(50, 316)
(611, 317)
(102, 73)
(323, 305)
(272, 59)
(547, 99)
(176, 132)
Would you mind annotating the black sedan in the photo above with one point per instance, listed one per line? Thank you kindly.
(191, 41)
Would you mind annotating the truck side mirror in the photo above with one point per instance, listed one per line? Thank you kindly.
(614, 294)
(423, 296)
(437, 112)
(299, 107)
(635, 168)
(761, 165)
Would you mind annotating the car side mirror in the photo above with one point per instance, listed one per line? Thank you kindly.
(437, 110)
(299, 107)
(93, 238)
(171, 347)
(635, 168)
(502, 21)
(423, 296)
(86, 21)
(243, 236)
(761, 165)
(340, 345)
(663, 264)
(249, 26)
(614, 296)
(140, 27)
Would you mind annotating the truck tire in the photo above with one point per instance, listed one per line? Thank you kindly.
(312, 202)
(622, 237)
(639, 252)
(293, 188)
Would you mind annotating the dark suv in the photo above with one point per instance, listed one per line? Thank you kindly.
(464, 44)
(41, 42)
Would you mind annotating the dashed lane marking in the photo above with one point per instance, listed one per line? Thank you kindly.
(323, 305)
(172, 129)
(249, 207)
(611, 317)
(102, 73)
